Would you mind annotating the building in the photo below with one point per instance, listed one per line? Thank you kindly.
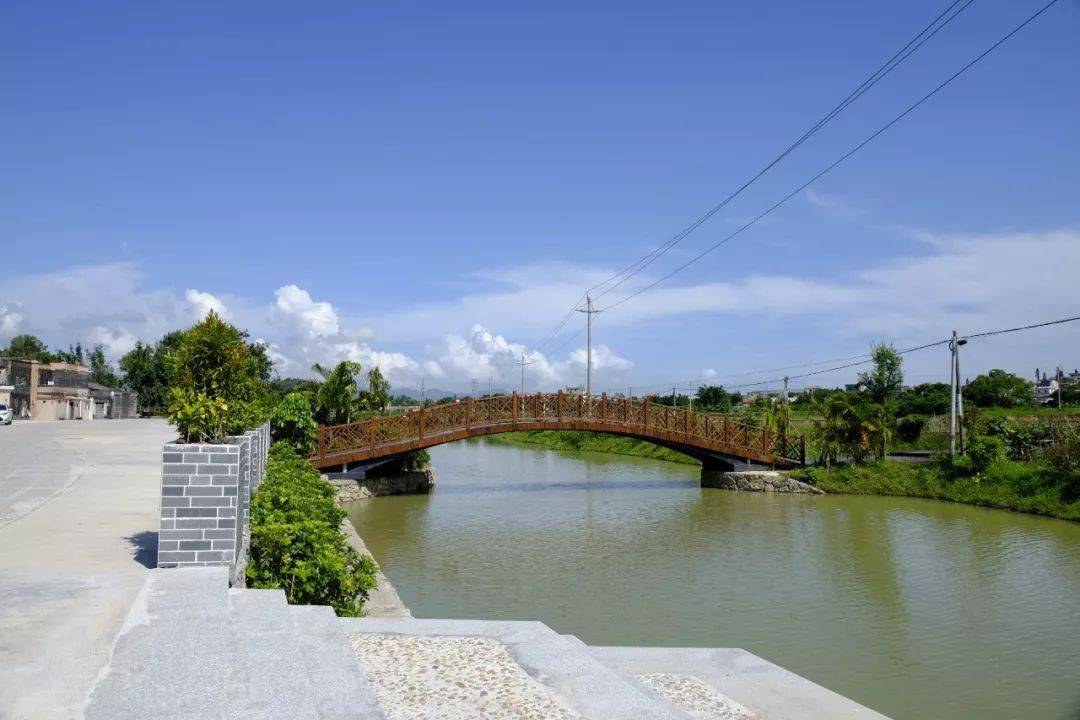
(46, 391)
(113, 404)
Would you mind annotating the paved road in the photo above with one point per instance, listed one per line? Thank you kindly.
(78, 524)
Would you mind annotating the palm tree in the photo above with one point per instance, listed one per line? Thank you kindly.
(335, 398)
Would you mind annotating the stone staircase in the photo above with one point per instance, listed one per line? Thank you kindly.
(192, 648)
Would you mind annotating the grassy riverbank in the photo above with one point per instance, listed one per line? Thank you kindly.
(1007, 485)
(592, 442)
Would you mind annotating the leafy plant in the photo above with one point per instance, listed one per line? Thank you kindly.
(197, 416)
(910, 428)
(213, 359)
(984, 452)
(336, 396)
(292, 422)
(296, 541)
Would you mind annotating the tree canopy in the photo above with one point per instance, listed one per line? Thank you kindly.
(998, 388)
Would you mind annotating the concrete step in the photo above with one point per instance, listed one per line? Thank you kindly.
(473, 668)
(267, 675)
(728, 683)
(340, 689)
(171, 658)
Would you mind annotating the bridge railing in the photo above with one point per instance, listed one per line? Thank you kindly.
(633, 415)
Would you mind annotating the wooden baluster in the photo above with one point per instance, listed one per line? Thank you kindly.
(764, 440)
(558, 407)
(802, 449)
(645, 414)
(580, 406)
(468, 413)
(686, 422)
(603, 406)
(371, 432)
(420, 425)
(514, 409)
(322, 441)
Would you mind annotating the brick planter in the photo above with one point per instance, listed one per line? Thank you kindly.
(205, 500)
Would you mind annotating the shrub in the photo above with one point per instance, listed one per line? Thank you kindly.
(293, 423)
(198, 417)
(213, 360)
(910, 428)
(985, 451)
(296, 541)
(1062, 458)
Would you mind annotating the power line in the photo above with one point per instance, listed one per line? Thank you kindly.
(891, 64)
(842, 158)
(1022, 327)
(868, 359)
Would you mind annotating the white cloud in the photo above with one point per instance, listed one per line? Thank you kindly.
(971, 283)
(9, 320)
(201, 303)
(294, 309)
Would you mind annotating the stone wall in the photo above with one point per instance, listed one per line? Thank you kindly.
(755, 481)
(348, 489)
(205, 500)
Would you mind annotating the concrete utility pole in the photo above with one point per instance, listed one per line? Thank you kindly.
(589, 312)
(956, 401)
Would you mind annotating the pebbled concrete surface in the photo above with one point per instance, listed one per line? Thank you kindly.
(453, 678)
(80, 522)
(694, 697)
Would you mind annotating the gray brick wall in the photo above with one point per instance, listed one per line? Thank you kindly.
(206, 499)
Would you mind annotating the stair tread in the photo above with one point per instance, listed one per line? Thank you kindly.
(340, 689)
(445, 663)
(267, 677)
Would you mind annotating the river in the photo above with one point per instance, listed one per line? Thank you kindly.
(916, 608)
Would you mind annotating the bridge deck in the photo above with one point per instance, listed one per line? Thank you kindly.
(680, 428)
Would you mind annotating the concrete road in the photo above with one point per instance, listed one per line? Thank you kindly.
(78, 531)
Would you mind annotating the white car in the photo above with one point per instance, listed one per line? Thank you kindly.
(6, 415)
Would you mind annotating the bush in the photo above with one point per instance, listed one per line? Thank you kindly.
(910, 428)
(296, 541)
(198, 417)
(213, 360)
(1062, 458)
(984, 452)
(293, 423)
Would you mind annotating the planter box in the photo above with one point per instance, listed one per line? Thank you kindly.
(206, 499)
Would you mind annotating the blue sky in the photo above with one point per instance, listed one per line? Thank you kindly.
(429, 186)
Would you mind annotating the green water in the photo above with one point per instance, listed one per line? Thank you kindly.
(916, 608)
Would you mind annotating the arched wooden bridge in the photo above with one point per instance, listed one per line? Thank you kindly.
(716, 440)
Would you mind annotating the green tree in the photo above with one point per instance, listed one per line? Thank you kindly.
(293, 423)
(840, 428)
(213, 361)
(29, 347)
(336, 396)
(377, 396)
(147, 373)
(998, 388)
(101, 371)
(713, 398)
(74, 354)
(882, 384)
(925, 399)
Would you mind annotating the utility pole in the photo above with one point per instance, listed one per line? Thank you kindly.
(956, 401)
(421, 392)
(589, 312)
(522, 363)
(475, 387)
